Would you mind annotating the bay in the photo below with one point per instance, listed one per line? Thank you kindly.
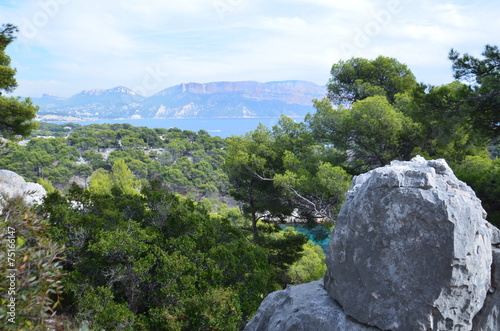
(318, 234)
(223, 127)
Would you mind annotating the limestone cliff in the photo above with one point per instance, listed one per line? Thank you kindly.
(188, 100)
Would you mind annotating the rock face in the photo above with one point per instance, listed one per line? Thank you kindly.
(12, 185)
(412, 240)
(301, 308)
(411, 251)
(489, 316)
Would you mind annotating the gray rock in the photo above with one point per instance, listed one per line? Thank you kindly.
(12, 186)
(488, 319)
(411, 249)
(306, 307)
(495, 235)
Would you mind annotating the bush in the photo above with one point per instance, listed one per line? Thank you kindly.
(36, 263)
(310, 267)
(98, 309)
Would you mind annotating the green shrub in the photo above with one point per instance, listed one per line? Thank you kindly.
(36, 264)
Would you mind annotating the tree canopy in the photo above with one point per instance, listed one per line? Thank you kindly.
(275, 173)
(370, 133)
(16, 115)
(155, 261)
(358, 78)
(376, 113)
(483, 77)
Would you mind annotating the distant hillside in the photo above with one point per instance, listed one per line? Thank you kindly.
(191, 100)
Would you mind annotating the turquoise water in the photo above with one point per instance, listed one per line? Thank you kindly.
(223, 127)
(318, 234)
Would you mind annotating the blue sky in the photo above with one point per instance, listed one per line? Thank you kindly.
(66, 46)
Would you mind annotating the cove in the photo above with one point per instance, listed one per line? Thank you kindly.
(318, 234)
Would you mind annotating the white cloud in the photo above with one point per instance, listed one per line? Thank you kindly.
(95, 43)
(351, 6)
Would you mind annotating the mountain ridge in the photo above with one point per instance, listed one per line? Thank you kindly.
(188, 100)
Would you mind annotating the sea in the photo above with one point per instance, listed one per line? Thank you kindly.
(222, 127)
(318, 234)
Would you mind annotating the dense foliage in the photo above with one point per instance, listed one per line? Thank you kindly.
(16, 114)
(155, 261)
(284, 173)
(358, 78)
(483, 78)
(385, 115)
(35, 276)
(187, 162)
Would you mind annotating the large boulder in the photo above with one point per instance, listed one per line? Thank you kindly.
(302, 308)
(13, 186)
(411, 249)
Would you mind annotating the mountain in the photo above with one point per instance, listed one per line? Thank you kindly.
(188, 100)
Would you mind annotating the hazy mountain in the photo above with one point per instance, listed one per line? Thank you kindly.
(191, 100)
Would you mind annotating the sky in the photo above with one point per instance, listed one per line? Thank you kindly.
(66, 46)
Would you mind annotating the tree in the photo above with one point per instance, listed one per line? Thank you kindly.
(16, 115)
(7, 35)
(358, 78)
(445, 121)
(389, 116)
(95, 159)
(482, 174)
(315, 187)
(102, 182)
(285, 172)
(370, 133)
(251, 164)
(124, 178)
(483, 76)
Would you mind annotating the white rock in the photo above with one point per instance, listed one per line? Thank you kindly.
(12, 186)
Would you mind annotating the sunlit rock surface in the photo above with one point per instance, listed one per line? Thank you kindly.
(12, 186)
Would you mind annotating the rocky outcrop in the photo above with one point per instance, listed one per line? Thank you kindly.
(12, 186)
(411, 251)
(412, 240)
(300, 308)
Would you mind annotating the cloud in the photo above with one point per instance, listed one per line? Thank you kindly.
(95, 43)
(350, 6)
